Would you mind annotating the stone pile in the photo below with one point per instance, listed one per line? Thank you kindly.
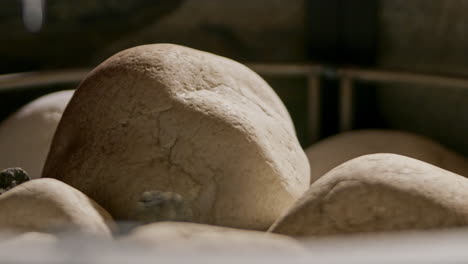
(196, 151)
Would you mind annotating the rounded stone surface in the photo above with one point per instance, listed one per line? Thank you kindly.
(51, 206)
(164, 132)
(26, 135)
(378, 192)
(333, 151)
(190, 236)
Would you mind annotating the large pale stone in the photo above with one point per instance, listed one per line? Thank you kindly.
(164, 132)
(50, 206)
(26, 135)
(378, 192)
(194, 237)
(331, 152)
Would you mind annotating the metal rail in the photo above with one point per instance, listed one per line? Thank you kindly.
(312, 72)
(24, 80)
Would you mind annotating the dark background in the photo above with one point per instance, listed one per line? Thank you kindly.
(418, 35)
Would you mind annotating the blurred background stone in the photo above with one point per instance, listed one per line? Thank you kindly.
(83, 33)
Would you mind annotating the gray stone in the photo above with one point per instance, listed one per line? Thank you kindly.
(12, 177)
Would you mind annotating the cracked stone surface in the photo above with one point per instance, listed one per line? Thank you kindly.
(333, 151)
(190, 236)
(166, 118)
(51, 206)
(376, 193)
(26, 135)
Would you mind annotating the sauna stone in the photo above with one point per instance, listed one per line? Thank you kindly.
(168, 133)
(26, 135)
(376, 193)
(50, 206)
(331, 152)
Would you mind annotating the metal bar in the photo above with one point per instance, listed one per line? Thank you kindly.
(313, 108)
(311, 71)
(286, 69)
(346, 103)
(404, 77)
(24, 80)
(363, 74)
(39, 78)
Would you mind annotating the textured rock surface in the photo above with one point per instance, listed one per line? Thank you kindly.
(25, 136)
(160, 119)
(378, 192)
(48, 205)
(331, 152)
(190, 236)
